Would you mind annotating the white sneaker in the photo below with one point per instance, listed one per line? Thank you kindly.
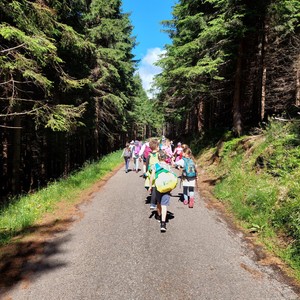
(152, 206)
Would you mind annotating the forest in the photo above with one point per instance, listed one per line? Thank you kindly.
(70, 93)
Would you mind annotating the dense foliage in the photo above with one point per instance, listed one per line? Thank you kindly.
(68, 89)
(231, 64)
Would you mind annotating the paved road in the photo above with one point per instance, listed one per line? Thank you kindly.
(117, 252)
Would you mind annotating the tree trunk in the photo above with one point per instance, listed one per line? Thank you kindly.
(96, 130)
(236, 106)
(264, 71)
(4, 164)
(16, 155)
(67, 164)
(298, 82)
(200, 109)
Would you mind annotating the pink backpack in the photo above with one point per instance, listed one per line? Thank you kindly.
(147, 151)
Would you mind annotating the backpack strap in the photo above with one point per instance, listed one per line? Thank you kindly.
(159, 169)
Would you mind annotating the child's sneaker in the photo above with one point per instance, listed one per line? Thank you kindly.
(152, 206)
(191, 203)
(185, 202)
(163, 227)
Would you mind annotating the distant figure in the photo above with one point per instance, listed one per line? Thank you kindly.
(177, 152)
(127, 155)
(168, 150)
(143, 155)
(135, 154)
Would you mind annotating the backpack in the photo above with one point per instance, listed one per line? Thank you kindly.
(147, 151)
(189, 170)
(165, 181)
(137, 149)
(127, 153)
(153, 159)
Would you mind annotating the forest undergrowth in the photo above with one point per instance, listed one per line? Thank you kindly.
(257, 180)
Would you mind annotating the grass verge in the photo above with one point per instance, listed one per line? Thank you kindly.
(258, 181)
(24, 211)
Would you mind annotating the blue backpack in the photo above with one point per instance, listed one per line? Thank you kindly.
(189, 170)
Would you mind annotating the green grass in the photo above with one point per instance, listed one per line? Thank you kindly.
(24, 211)
(260, 186)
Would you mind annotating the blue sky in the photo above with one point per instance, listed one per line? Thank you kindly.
(146, 16)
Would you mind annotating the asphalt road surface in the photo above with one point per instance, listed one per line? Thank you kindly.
(116, 251)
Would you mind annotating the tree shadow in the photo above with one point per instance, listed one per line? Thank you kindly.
(213, 182)
(22, 259)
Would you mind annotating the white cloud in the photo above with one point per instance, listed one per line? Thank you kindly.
(148, 70)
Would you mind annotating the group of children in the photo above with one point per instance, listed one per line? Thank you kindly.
(156, 155)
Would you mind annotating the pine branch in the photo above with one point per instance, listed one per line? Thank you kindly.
(10, 127)
(29, 112)
(13, 48)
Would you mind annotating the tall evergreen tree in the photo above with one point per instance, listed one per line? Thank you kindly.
(35, 81)
(112, 76)
(218, 72)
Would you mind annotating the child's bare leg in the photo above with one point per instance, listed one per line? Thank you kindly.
(159, 207)
(163, 213)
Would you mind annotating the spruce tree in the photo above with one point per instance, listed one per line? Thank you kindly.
(112, 75)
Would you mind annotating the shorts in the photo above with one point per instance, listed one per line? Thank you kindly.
(163, 198)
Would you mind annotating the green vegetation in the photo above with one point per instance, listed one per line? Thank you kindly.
(68, 84)
(259, 183)
(223, 55)
(24, 211)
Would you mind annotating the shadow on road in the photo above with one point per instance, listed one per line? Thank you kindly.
(27, 258)
(154, 214)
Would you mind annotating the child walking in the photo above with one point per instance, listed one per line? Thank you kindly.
(150, 161)
(177, 152)
(168, 150)
(135, 154)
(127, 155)
(163, 199)
(143, 155)
(188, 177)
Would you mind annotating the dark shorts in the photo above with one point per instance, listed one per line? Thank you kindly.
(163, 199)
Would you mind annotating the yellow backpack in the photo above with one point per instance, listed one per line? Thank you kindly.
(165, 181)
